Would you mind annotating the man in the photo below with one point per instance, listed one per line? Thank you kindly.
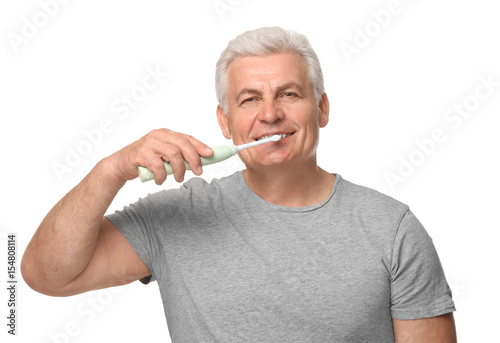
(280, 252)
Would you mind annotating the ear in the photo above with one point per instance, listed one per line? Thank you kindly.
(223, 122)
(324, 107)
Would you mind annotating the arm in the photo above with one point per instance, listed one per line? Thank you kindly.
(440, 329)
(67, 238)
(75, 249)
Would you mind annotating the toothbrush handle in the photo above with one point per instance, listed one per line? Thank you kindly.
(221, 153)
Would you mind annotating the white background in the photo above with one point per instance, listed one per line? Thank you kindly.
(427, 58)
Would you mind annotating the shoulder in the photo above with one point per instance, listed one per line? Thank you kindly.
(370, 205)
(369, 198)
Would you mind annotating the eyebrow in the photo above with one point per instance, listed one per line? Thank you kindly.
(247, 91)
(278, 90)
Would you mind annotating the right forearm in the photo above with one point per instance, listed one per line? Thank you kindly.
(65, 240)
(62, 250)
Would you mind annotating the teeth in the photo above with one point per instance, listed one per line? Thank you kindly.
(283, 135)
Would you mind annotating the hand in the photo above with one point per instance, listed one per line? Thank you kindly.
(157, 146)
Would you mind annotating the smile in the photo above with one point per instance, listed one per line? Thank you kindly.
(283, 135)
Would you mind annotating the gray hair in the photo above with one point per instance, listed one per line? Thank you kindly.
(267, 41)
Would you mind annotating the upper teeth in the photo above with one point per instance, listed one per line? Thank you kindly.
(283, 135)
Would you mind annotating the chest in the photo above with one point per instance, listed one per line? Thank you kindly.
(296, 279)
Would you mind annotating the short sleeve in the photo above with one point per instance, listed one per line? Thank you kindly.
(418, 284)
(134, 222)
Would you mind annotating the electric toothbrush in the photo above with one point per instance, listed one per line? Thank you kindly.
(221, 153)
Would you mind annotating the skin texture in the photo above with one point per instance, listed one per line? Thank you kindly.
(266, 95)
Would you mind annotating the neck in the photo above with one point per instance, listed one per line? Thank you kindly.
(290, 186)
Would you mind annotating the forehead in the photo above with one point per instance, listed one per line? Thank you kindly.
(270, 70)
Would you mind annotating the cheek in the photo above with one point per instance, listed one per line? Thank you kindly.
(308, 120)
(240, 126)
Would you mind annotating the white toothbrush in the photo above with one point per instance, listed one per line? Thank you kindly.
(221, 153)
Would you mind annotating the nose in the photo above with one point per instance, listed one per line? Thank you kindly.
(270, 112)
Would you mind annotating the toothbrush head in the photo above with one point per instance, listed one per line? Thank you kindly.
(273, 138)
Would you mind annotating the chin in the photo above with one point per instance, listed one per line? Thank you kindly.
(272, 162)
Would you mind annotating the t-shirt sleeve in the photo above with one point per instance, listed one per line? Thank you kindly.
(135, 223)
(418, 284)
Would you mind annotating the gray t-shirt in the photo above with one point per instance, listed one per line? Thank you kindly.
(232, 267)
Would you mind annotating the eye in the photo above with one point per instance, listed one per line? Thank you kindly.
(249, 101)
(289, 95)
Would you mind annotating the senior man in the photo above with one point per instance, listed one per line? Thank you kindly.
(282, 251)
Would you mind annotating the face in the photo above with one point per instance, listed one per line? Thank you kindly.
(273, 95)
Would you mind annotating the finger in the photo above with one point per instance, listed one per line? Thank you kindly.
(158, 169)
(147, 153)
(190, 154)
(175, 148)
(173, 155)
(163, 145)
(202, 149)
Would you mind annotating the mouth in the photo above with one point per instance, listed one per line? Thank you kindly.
(282, 134)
